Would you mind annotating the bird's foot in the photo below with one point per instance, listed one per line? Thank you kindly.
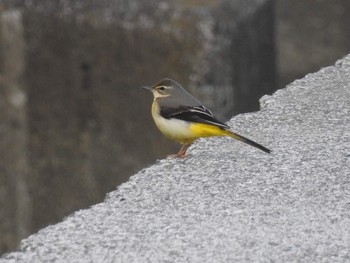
(182, 152)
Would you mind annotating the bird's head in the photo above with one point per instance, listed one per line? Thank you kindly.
(164, 88)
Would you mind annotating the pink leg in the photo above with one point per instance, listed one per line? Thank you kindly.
(182, 152)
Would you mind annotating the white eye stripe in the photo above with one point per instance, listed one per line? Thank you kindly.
(157, 94)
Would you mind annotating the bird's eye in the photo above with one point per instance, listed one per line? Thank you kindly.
(162, 88)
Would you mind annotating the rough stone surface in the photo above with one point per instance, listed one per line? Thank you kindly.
(228, 202)
(90, 125)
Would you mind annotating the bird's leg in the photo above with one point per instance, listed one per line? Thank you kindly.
(182, 152)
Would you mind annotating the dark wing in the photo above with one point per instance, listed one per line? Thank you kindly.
(198, 114)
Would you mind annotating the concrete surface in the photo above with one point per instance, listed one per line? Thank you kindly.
(228, 202)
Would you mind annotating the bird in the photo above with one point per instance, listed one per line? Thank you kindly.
(183, 118)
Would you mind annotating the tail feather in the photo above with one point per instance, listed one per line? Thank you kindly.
(247, 141)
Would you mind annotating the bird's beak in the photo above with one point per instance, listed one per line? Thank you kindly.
(147, 88)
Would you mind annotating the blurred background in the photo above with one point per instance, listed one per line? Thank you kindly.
(74, 123)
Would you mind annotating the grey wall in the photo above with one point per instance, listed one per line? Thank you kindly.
(310, 35)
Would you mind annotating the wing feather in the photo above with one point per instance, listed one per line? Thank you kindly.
(199, 114)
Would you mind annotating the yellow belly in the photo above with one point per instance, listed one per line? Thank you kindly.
(182, 131)
(206, 130)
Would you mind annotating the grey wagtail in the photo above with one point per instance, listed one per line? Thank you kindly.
(182, 118)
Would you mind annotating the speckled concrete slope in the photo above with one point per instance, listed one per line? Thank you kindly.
(228, 202)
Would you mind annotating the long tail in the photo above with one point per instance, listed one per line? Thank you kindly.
(246, 140)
